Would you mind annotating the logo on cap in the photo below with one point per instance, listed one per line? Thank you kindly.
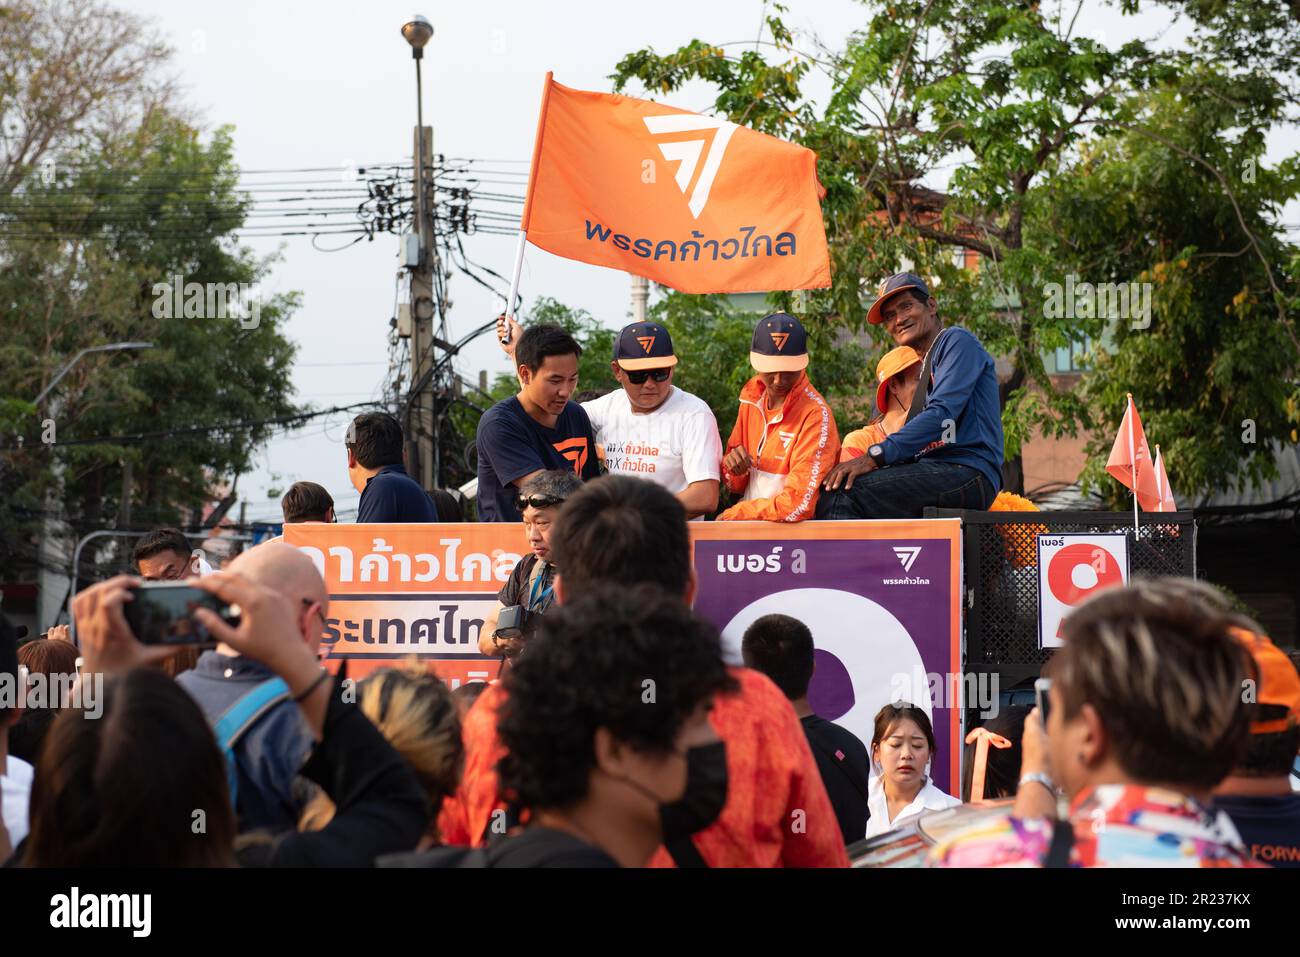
(883, 287)
(647, 343)
(779, 338)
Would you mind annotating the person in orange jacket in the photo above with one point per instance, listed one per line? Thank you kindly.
(785, 441)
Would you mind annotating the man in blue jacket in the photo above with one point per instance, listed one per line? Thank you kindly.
(949, 453)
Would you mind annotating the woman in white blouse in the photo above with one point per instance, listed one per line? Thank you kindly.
(902, 748)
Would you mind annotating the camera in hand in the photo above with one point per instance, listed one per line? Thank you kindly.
(514, 621)
(162, 613)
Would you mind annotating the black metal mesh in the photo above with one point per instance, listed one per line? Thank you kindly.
(1000, 572)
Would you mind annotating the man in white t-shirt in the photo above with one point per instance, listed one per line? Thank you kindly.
(652, 430)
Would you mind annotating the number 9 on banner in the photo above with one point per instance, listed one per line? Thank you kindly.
(1071, 569)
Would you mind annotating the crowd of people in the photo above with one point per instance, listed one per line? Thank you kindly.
(933, 439)
(616, 735)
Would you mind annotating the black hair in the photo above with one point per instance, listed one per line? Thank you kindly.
(122, 791)
(161, 540)
(622, 530)
(896, 711)
(541, 341)
(447, 505)
(376, 439)
(1270, 755)
(586, 395)
(1002, 770)
(780, 647)
(634, 661)
(306, 502)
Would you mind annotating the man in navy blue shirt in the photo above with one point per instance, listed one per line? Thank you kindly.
(388, 494)
(538, 429)
(949, 453)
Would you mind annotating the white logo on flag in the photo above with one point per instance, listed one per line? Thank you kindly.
(907, 555)
(687, 152)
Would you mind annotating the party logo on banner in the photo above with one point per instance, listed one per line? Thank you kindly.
(880, 599)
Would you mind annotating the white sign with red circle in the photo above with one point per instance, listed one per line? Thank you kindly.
(1072, 568)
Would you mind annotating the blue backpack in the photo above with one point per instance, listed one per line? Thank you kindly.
(239, 718)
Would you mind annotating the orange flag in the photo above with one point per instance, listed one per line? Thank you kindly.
(1130, 459)
(693, 202)
(1165, 494)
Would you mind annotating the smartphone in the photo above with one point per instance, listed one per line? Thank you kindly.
(161, 613)
(1041, 687)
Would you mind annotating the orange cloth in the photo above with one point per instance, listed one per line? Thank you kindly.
(859, 440)
(792, 451)
(694, 202)
(777, 812)
(465, 815)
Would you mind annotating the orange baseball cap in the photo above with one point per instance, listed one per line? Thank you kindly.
(1279, 682)
(894, 362)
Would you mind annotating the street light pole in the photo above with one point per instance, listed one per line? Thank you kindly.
(419, 425)
(51, 583)
(111, 347)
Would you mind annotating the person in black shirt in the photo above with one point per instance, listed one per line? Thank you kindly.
(531, 584)
(374, 443)
(536, 430)
(781, 647)
(606, 727)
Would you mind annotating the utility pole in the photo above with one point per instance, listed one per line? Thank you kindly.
(420, 409)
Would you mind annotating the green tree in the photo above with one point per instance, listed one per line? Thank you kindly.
(1002, 98)
(114, 199)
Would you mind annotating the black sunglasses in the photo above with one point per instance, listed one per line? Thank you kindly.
(537, 501)
(638, 378)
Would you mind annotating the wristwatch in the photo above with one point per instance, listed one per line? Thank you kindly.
(1038, 777)
(877, 455)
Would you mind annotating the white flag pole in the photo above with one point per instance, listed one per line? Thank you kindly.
(1132, 457)
(514, 281)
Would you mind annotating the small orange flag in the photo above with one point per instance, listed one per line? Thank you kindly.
(1130, 459)
(1166, 501)
(693, 202)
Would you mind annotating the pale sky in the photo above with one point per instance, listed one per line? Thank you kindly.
(328, 84)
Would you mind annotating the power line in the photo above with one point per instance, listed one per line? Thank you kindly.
(197, 429)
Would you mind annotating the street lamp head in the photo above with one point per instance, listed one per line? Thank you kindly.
(417, 32)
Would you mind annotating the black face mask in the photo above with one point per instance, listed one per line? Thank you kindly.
(705, 794)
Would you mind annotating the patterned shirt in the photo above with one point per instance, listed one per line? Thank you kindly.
(1115, 825)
